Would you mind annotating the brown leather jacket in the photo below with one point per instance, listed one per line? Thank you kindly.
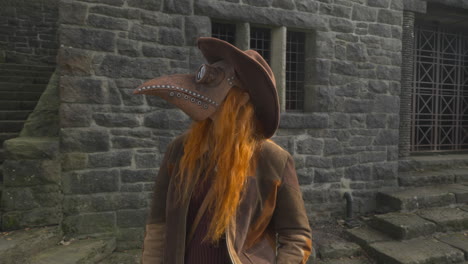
(271, 223)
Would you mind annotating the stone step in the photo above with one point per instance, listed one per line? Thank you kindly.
(30, 80)
(17, 105)
(79, 251)
(14, 114)
(415, 251)
(21, 87)
(338, 249)
(358, 260)
(425, 178)
(25, 67)
(365, 235)
(457, 240)
(446, 219)
(11, 126)
(433, 162)
(402, 226)
(17, 246)
(6, 136)
(127, 257)
(422, 197)
(20, 96)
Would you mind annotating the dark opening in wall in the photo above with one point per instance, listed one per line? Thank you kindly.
(224, 31)
(260, 39)
(295, 70)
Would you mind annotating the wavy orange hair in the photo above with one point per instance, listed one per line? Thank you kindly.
(224, 148)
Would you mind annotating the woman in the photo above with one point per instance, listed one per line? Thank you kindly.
(224, 192)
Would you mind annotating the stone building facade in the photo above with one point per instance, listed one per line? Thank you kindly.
(344, 140)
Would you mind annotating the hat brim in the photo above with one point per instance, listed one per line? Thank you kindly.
(254, 77)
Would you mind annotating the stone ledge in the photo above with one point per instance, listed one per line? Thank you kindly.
(31, 148)
(402, 226)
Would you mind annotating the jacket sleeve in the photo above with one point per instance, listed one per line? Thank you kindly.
(290, 220)
(155, 230)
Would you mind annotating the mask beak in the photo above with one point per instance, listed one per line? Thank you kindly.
(184, 92)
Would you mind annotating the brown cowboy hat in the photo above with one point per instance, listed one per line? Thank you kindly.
(200, 94)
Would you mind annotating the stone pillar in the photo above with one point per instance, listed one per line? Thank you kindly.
(406, 83)
(243, 36)
(278, 62)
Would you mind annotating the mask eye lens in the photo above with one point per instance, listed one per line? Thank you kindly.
(201, 73)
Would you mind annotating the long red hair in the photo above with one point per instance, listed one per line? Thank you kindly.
(224, 148)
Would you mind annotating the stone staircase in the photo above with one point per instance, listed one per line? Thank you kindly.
(426, 220)
(20, 88)
(45, 246)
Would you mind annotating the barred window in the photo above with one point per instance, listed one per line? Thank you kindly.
(260, 39)
(295, 70)
(224, 31)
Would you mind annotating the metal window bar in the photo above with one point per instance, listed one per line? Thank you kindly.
(295, 70)
(439, 119)
(224, 31)
(260, 39)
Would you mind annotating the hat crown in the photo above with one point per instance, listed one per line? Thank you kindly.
(258, 58)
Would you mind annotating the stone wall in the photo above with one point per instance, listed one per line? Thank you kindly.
(28, 31)
(112, 141)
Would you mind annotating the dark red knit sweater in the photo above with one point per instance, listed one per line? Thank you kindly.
(198, 252)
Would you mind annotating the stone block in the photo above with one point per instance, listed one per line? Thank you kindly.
(456, 240)
(69, 117)
(338, 250)
(153, 5)
(414, 198)
(309, 146)
(89, 203)
(89, 140)
(90, 223)
(364, 13)
(429, 251)
(162, 19)
(92, 181)
(365, 235)
(309, 120)
(344, 68)
(128, 47)
(127, 238)
(378, 86)
(381, 30)
(75, 62)
(174, 53)
(18, 173)
(305, 176)
(184, 7)
(412, 5)
(318, 162)
(378, 3)
(143, 33)
(72, 12)
(74, 161)
(116, 120)
(148, 160)
(357, 105)
(284, 4)
(128, 200)
(306, 6)
(111, 11)
(106, 22)
(83, 90)
(195, 27)
(388, 73)
(332, 147)
(171, 36)
(344, 161)
(31, 148)
(385, 171)
(87, 38)
(356, 52)
(387, 137)
(138, 175)
(372, 156)
(390, 17)
(425, 178)
(120, 142)
(167, 119)
(325, 175)
(107, 2)
(115, 66)
(403, 226)
(376, 120)
(22, 199)
(37, 217)
(131, 218)
(110, 159)
(341, 25)
(447, 219)
(129, 99)
(359, 172)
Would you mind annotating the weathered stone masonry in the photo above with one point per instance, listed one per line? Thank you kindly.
(112, 141)
(28, 31)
